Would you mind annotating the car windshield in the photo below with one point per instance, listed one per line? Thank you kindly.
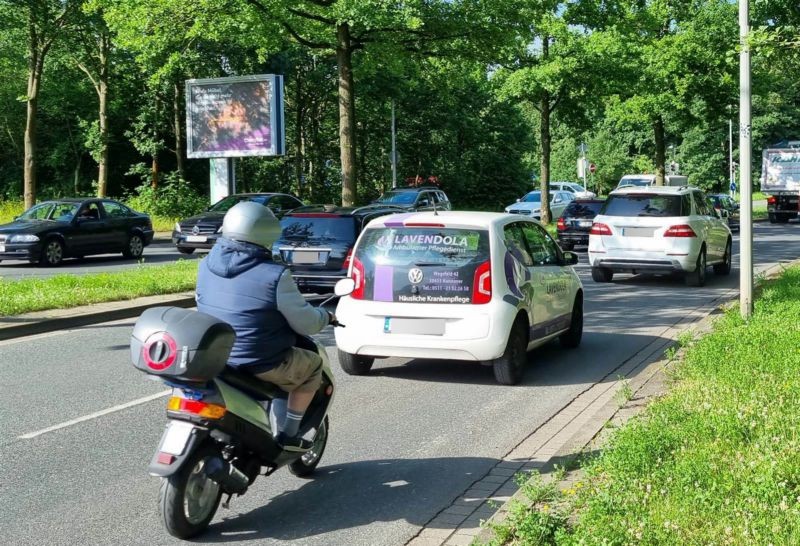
(532, 197)
(643, 204)
(642, 182)
(401, 197)
(318, 227)
(227, 202)
(50, 210)
(582, 209)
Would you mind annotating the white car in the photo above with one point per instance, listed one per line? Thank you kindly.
(531, 204)
(475, 286)
(576, 189)
(659, 229)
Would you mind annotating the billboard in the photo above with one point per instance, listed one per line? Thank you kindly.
(238, 116)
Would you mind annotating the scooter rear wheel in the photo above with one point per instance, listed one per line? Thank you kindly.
(307, 463)
(189, 499)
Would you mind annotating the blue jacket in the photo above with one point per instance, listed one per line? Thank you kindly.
(240, 284)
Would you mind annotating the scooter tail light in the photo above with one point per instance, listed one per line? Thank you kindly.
(358, 276)
(196, 407)
(482, 283)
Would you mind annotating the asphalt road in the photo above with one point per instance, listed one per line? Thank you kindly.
(405, 441)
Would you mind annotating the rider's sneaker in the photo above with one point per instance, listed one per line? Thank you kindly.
(293, 443)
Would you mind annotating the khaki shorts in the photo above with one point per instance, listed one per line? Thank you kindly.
(302, 371)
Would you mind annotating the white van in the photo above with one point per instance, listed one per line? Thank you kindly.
(646, 180)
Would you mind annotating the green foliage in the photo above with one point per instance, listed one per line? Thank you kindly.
(10, 209)
(173, 198)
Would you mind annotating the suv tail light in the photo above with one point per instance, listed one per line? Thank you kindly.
(358, 277)
(561, 225)
(771, 200)
(482, 283)
(347, 259)
(682, 230)
(600, 229)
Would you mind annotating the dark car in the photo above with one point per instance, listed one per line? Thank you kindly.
(317, 240)
(727, 208)
(575, 222)
(416, 199)
(202, 230)
(53, 230)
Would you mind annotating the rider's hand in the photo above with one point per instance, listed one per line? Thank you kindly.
(331, 318)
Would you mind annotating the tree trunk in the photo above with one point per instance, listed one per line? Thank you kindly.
(347, 114)
(102, 92)
(35, 68)
(658, 128)
(154, 172)
(544, 136)
(77, 175)
(298, 136)
(176, 112)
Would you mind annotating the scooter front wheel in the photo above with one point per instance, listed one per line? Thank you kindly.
(307, 463)
(189, 498)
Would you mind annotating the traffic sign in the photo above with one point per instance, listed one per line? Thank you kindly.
(592, 168)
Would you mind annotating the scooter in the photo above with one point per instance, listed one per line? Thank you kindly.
(222, 422)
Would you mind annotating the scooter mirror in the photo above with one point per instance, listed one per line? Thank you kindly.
(344, 287)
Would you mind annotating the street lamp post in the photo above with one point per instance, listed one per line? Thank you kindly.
(746, 190)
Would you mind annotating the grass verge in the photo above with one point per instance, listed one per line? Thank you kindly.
(64, 291)
(715, 461)
(10, 209)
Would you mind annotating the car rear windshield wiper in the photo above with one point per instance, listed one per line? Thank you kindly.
(424, 264)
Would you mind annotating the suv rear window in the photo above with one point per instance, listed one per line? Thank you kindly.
(582, 209)
(646, 204)
(421, 265)
(318, 227)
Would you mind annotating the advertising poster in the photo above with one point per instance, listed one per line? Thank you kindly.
(235, 117)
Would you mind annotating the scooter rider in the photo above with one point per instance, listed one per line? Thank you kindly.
(240, 284)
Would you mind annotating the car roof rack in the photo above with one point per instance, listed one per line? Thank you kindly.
(377, 206)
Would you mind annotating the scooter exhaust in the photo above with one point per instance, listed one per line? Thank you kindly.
(232, 480)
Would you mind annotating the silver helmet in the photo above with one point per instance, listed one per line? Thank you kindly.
(248, 221)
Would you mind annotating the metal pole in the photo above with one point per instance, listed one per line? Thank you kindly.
(394, 151)
(746, 190)
(730, 159)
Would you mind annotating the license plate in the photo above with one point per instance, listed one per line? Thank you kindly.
(305, 257)
(638, 231)
(419, 326)
(196, 238)
(176, 437)
(585, 223)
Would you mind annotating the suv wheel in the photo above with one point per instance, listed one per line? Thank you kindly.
(725, 267)
(698, 276)
(572, 337)
(354, 364)
(601, 274)
(509, 366)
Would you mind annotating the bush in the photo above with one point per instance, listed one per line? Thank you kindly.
(10, 209)
(174, 198)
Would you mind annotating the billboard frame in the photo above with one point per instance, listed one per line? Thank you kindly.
(276, 117)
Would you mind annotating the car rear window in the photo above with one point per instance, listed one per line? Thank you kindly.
(421, 265)
(401, 197)
(318, 227)
(646, 204)
(582, 209)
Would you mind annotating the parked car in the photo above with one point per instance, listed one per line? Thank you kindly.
(659, 229)
(575, 222)
(647, 180)
(476, 286)
(416, 199)
(202, 230)
(574, 188)
(317, 242)
(531, 204)
(53, 230)
(727, 208)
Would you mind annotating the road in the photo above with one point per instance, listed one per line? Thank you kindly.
(159, 252)
(405, 441)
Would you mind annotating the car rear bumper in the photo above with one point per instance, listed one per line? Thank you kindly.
(574, 238)
(658, 263)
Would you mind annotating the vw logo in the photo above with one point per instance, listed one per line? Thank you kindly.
(195, 230)
(415, 275)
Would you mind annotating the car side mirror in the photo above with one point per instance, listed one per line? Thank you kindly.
(344, 287)
(518, 200)
(570, 258)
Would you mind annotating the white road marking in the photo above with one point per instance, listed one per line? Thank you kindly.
(95, 415)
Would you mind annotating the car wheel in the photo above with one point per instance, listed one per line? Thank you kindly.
(52, 253)
(508, 368)
(772, 218)
(134, 248)
(601, 274)
(354, 364)
(185, 250)
(572, 337)
(698, 276)
(725, 267)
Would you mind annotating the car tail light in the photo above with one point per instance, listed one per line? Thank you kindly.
(561, 225)
(771, 200)
(600, 229)
(358, 277)
(196, 407)
(347, 259)
(482, 283)
(682, 230)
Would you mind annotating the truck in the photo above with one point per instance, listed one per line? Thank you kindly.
(780, 181)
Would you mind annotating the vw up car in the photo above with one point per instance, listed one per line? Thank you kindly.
(474, 286)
